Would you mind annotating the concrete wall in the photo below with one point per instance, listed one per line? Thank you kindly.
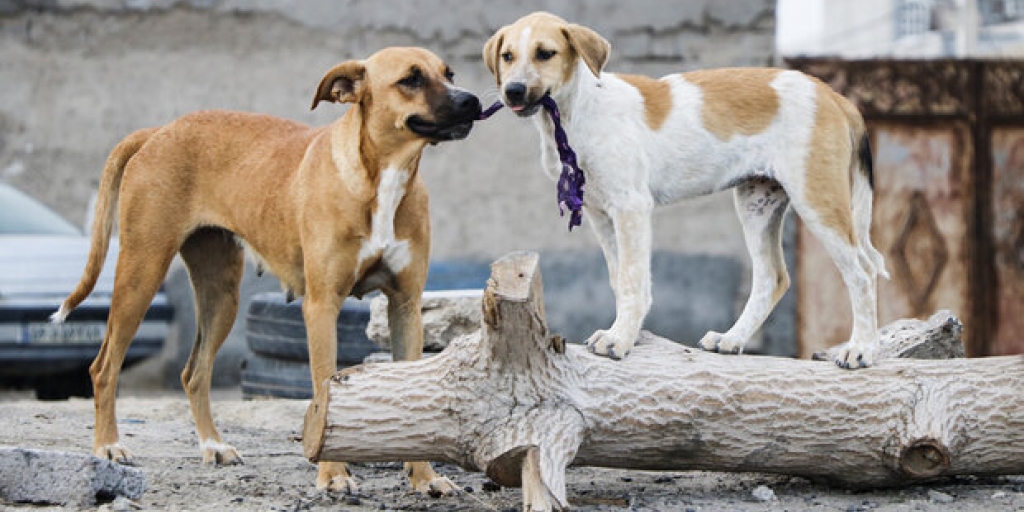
(77, 75)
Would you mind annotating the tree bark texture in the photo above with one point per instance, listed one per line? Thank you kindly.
(522, 405)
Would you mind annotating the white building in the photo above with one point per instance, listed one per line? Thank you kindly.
(901, 28)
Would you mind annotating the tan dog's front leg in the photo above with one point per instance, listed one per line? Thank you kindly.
(633, 283)
(320, 311)
(405, 322)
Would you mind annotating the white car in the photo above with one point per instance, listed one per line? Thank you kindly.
(42, 257)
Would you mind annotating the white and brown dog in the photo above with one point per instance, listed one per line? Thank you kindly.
(333, 211)
(779, 137)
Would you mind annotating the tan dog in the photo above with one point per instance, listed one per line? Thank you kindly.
(332, 211)
(779, 137)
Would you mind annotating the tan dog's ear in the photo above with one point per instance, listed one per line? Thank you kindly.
(491, 50)
(590, 45)
(342, 84)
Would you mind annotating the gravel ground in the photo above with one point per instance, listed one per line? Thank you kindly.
(275, 476)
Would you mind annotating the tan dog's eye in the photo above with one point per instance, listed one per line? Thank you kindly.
(507, 57)
(543, 54)
(413, 81)
(449, 75)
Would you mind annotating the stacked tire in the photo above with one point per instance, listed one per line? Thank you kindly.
(278, 365)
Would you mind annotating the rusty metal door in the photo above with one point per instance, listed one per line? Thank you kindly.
(948, 144)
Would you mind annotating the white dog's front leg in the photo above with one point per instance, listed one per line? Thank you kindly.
(632, 282)
(604, 229)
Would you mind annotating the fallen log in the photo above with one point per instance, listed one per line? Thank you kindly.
(521, 405)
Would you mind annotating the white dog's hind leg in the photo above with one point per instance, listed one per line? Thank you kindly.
(859, 351)
(761, 206)
(633, 282)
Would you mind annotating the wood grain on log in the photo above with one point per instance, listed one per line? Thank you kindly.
(522, 406)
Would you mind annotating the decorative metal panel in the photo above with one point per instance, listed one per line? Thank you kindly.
(948, 140)
(1008, 233)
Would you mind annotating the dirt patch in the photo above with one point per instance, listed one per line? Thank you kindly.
(276, 477)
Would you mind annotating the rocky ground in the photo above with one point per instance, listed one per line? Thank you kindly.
(275, 476)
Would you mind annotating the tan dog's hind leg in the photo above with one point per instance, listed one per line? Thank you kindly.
(215, 263)
(137, 279)
(761, 206)
(406, 325)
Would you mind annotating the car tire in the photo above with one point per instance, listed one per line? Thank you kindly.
(276, 329)
(65, 385)
(264, 377)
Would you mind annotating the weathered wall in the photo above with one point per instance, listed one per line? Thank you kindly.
(77, 75)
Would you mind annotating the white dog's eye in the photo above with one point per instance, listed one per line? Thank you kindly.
(543, 54)
(507, 57)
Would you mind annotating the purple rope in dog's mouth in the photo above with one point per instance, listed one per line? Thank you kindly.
(490, 111)
(571, 179)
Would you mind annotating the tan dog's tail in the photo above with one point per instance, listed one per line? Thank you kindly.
(862, 175)
(103, 223)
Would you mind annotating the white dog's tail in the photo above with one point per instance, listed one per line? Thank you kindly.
(862, 170)
(103, 223)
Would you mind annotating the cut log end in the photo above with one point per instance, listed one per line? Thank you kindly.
(512, 276)
(507, 468)
(512, 280)
(924, 458)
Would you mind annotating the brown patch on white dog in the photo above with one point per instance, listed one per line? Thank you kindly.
(736, 101)
(657, 95)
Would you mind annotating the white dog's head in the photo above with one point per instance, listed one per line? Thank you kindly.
(537, 55)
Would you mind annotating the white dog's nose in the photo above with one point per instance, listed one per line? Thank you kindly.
(515, 94)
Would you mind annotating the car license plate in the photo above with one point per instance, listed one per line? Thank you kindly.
(69, 332)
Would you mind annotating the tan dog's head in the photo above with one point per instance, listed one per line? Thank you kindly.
(406, 92)
(537, 55)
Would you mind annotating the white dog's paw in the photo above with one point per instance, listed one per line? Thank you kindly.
(607, 343)
(722, 343)
(114, 452)
(334, 476)
(852, 356)
(215, 452)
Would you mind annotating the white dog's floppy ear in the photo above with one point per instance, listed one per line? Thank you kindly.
(491, 50)
(590, 45)
(342, 84)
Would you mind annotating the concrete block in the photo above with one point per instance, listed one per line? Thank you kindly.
(447, 314)
(61, 478)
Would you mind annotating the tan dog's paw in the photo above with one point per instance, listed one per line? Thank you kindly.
(722, 343)
(221, 454)
(607, 343)
(424, 479)
(439, 486)
(114, 452)
(852, 356)
(334, 476)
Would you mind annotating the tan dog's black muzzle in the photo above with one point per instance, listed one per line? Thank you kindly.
(453, 117)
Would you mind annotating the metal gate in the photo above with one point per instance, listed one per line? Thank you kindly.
(948, 143)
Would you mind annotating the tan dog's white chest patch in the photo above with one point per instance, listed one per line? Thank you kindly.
(382, 242)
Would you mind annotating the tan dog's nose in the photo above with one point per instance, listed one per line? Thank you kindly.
(466, 104)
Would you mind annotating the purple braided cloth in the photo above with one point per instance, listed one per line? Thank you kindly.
(571, 179)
